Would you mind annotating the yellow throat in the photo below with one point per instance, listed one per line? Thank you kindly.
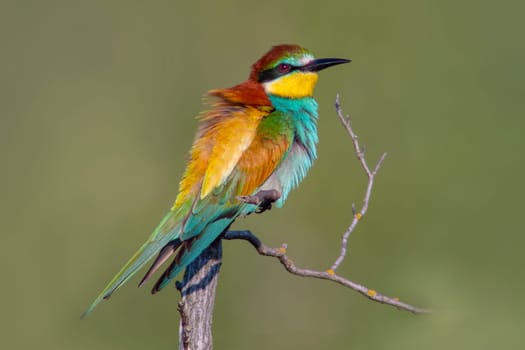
(296, 85)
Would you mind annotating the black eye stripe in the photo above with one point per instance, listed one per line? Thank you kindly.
(273, 73)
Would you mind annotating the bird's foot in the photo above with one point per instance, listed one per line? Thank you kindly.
(263, 199)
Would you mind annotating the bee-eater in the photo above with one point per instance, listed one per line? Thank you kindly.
(256, 143)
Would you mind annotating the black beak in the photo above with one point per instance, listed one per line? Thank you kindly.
(322, 63)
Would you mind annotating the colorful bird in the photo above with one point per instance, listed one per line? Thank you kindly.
(256, 143)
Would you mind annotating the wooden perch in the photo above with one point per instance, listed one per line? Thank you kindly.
(198, 299)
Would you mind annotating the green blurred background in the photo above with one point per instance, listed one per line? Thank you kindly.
(97, 108)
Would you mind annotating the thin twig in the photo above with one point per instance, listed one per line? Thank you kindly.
(357, 215)
(280, 253)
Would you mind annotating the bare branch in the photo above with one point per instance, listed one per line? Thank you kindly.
(289, 265)
(280, 253)
(357, 215)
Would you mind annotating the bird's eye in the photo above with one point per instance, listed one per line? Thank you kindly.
(284, 68)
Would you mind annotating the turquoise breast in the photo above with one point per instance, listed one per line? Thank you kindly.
(302, 152)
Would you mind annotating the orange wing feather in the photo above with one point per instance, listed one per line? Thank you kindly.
(225, 133)
(232, 137)
(260, 160)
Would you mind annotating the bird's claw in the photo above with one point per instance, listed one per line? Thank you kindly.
(263, 199)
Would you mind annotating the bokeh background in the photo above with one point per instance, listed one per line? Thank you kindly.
(97, 110)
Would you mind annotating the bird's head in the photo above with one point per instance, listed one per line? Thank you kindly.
(290, 71)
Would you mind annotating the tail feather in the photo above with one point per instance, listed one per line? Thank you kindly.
(161, 236)
(163, 256)
(164, 239)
